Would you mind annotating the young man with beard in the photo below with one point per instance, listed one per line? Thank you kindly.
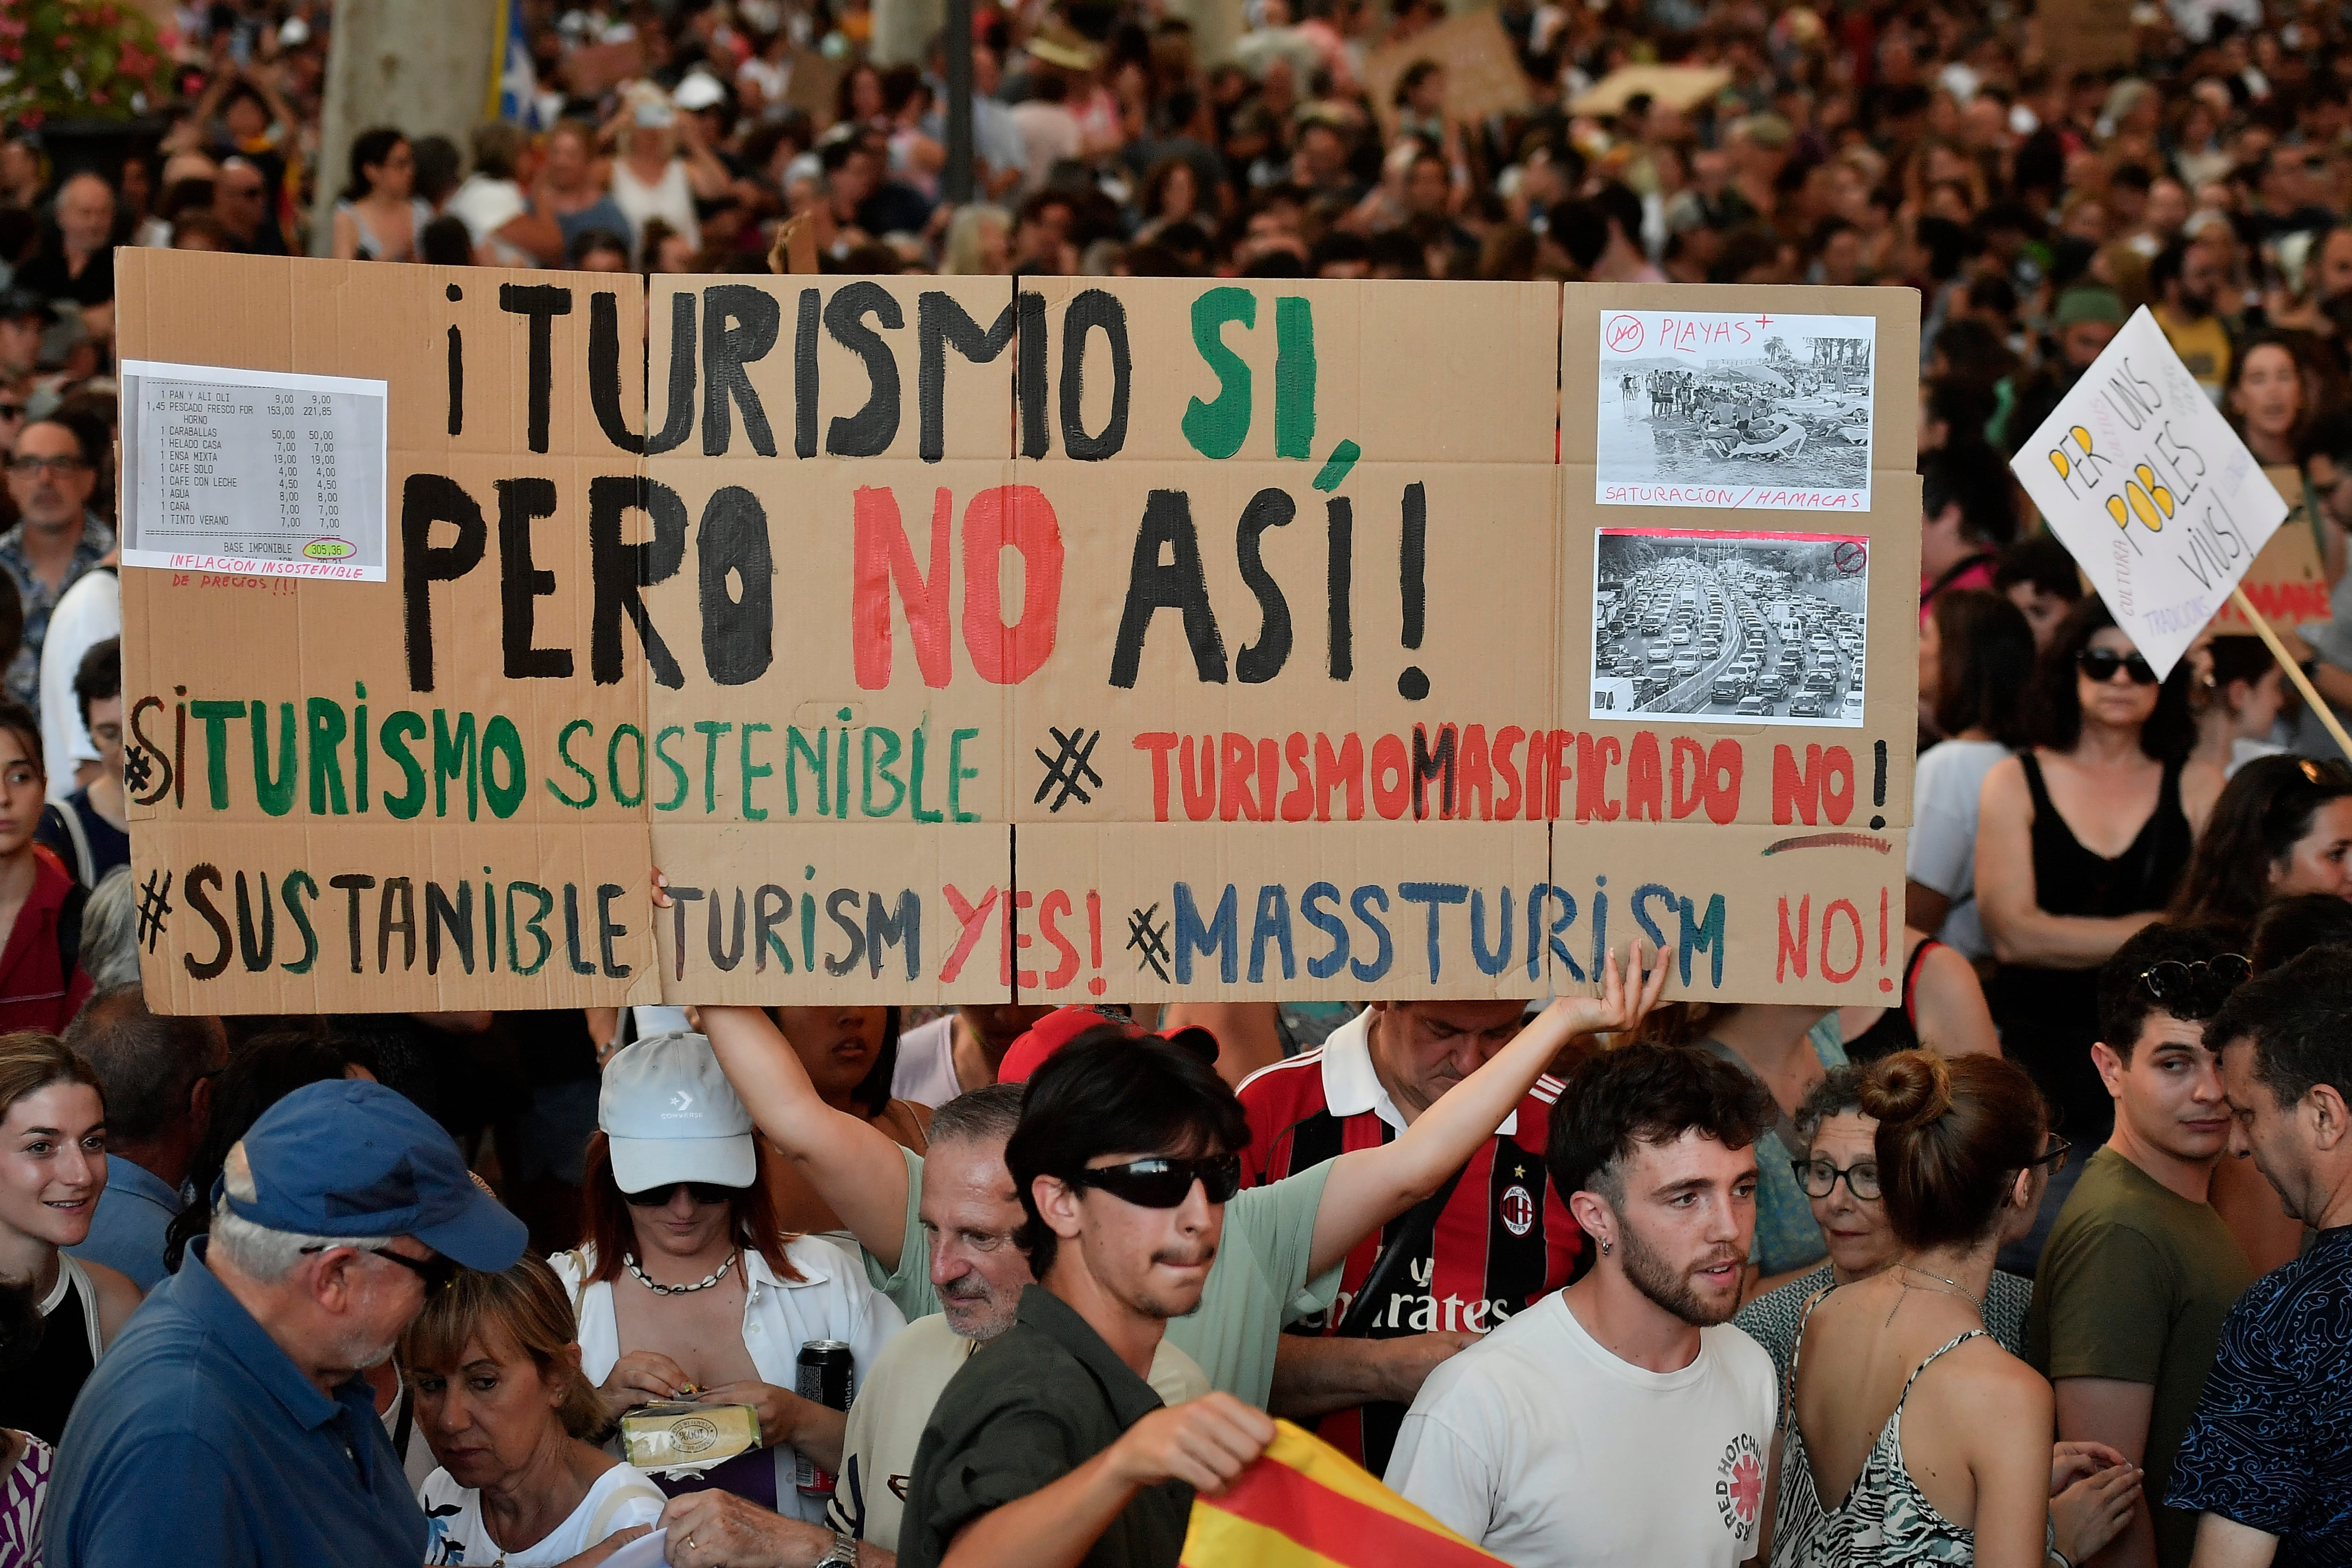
(2140, 1271)
(1623, 1420)
(2267, 1459)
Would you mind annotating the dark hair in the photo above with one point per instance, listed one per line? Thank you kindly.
(2125, 1004)
(147, 1065)
(2261, 813)
(1951, 1133)
(1978, 487)
(2040, 560)
(17, 719)
(369, 148)
(750, 1213)
(989, 1113)
(2236, 658)
(445, 242)
(1644, 1093)
(1985, 657)
(873, 1091)
(1840, 1090)
(1408, 84)
(589, 241)
(2054, 706)
(2291, 927)
(100, 675)
(1581, 226)
(2165, 266)
(2294, 1018)
(1107, 1092)
(268, 1068)
(438, 167)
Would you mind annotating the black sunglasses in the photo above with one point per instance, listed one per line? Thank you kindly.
(1161, 1183)
(2200, 987)
(2101, 664)
(437, 1272)
(701, 1191)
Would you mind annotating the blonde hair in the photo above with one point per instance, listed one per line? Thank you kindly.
(523, 1307)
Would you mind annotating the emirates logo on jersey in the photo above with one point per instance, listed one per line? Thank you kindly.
(1518, 1209)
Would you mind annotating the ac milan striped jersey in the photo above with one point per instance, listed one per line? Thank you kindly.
(1504, 1240)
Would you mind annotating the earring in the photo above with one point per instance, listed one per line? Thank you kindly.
(1604, 1249)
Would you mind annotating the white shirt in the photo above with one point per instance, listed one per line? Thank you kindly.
(830, 1301)
(926, 1071)
(1548, 1451)
(886, 1423)
(669, 199)
(622, 1497)
(486, 206)
(1942, 853)
(90, 612)
(1049, 134)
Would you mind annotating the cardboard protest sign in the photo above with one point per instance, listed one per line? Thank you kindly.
(2088, 35)
(2288, 583)
(1683, 87)
(961, 639)
(2142, 480)
(1483, 74)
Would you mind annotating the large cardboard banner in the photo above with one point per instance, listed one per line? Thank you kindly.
(956, 638)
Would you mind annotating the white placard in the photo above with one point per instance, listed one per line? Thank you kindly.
(262, 472)
(2140, 476)
(1734, 410)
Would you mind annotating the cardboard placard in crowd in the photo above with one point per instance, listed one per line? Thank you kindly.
(1680, 88)
(1138, 639)
(2088, 35)
(1483, 74)
(2288, 583)
(2158, 500)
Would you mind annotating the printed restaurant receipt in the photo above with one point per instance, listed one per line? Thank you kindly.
(271, 473)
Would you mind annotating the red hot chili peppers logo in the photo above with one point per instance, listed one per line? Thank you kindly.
(1739, 1486)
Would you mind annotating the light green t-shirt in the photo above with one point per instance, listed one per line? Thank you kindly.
(1257, 1285)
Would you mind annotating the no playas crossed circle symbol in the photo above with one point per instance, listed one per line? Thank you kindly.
(1625, 334)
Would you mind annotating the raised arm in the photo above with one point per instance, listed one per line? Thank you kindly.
(853, 1165)
(1368, 1187)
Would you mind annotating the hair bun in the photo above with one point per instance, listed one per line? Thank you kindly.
(1909, 1089)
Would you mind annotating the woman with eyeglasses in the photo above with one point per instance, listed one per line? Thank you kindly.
(2081, 838)
(1909, 1433)
(52, 1169)
(512, 1418)
(1838, 1170)
(2282, 828)
(686, 1288)
(379, 216)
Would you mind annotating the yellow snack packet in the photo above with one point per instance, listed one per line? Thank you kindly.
(682, 1437)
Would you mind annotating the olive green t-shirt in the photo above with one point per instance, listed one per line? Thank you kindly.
(2134, 1285)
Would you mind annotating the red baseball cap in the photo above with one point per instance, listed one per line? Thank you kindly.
(1063, 1025)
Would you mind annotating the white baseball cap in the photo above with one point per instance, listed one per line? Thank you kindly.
(671, 1116)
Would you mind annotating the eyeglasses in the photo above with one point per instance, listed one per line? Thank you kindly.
(1161, 1183)
(1820, 1178)
(2101, 664)
(2196, 989)
(437, 1272)
(2054, 1156)
(29, 468)
(700, 1192)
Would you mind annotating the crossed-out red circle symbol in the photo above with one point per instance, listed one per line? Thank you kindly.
(1625, 334)
(1849, 557)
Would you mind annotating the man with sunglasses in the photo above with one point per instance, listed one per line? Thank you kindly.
(2141, 1271)
(51, 476)
(230, 1424)
(1053, 1448)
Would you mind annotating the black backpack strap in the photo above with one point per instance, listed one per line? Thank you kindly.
(69, 933)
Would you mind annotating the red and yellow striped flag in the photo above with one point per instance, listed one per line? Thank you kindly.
(1307, 1505)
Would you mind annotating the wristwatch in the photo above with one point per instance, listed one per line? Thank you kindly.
(844, 1553)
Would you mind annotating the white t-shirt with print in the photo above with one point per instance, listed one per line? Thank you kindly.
(1543, 1447)
(621, 1498)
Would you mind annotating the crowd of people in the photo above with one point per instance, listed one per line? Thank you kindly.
(1608, 1281)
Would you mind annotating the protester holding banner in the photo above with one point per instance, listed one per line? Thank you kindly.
(851, 1054)
(686, 1288)
(2081, 838)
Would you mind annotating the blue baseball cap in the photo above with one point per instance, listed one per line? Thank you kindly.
(348, 1157)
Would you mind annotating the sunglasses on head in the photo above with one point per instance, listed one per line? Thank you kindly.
(2101, 664)
(2196, 989)
(437, 1272)
(658, 1197)
(1161, 1183)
